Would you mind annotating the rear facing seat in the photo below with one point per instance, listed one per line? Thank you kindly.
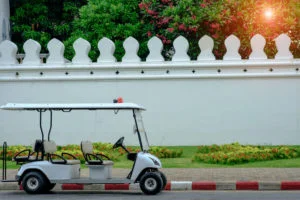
(50, 149)
(92, 158)
(30, 155)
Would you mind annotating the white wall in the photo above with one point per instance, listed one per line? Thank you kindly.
(4, 20)
(196, 102)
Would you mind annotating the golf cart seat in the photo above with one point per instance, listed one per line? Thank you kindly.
(92, 158)
(50, 149)
(30, 155)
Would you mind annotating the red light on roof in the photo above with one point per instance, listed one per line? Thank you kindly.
(120, 100)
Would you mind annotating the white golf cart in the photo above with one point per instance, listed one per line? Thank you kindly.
(40, 175)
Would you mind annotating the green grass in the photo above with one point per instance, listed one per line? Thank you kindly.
(10, 165)
(189, 151)
(185, 162)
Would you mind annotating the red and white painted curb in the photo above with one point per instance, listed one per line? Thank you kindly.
(180, 185)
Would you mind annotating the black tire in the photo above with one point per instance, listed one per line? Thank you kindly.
(34, 183)
(164, 179)
(151, 183)
(50, 186)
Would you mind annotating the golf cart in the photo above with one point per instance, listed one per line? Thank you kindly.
(41, 175)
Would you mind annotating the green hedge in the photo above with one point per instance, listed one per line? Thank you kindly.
(103, 148)
(237, 154)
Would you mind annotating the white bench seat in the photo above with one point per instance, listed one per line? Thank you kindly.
(50, 148)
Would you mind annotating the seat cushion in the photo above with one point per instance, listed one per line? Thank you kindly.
(69, 162)
(24, 158)
(58, 161)
(108, 162)
(97, 162)
(73, 162)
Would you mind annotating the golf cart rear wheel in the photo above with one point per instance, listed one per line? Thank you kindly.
(151, 183)
(34, 183)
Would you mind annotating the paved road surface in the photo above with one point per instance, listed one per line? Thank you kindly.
(187, 195)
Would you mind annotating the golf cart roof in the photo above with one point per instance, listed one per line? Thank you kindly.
(72, 106)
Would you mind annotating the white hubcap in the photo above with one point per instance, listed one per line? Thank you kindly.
(32, 183)
(150, 184)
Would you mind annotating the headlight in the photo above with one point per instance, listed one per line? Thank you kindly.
(155, 162)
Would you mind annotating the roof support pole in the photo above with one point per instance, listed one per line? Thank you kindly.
(41, 123)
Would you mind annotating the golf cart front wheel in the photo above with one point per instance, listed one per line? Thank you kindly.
(151, 183)
(34, 183)
(164, 179)
(50, 186)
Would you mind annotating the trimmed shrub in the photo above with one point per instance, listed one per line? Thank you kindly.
(103, 148)
(236, 154)
(163, 152)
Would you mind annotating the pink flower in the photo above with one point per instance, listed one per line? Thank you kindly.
(141, 5)
(216, 36)
(181, 27)
(165, 20)
(149, 34)
(170, 30)
(193, 29)
(215, 25)
(203, 5)
(151, 12)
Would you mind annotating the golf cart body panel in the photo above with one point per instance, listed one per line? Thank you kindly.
(144, 161)
(51, 171)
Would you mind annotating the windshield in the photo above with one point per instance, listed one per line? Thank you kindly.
(142, 131)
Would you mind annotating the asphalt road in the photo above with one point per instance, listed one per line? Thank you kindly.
(166, 195)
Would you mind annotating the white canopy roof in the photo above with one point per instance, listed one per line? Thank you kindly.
(72, 106)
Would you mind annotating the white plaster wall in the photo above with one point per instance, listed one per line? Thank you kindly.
(206, 101)
(183, 111)
(4, 17)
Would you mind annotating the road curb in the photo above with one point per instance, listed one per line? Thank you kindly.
(177, 185)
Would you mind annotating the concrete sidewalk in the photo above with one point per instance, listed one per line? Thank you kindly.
(211, 174)
(211, 178)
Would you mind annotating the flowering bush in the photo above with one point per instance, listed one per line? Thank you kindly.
(103, 148)
(163, 152)
(221, 18)
(118, 19)
(237, 154)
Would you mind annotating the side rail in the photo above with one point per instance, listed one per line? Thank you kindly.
(4, 159)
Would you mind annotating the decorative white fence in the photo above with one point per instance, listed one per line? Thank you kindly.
(189, 102)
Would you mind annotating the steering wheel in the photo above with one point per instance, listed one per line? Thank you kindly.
(119, 143)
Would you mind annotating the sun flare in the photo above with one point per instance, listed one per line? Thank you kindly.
(268, 13)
